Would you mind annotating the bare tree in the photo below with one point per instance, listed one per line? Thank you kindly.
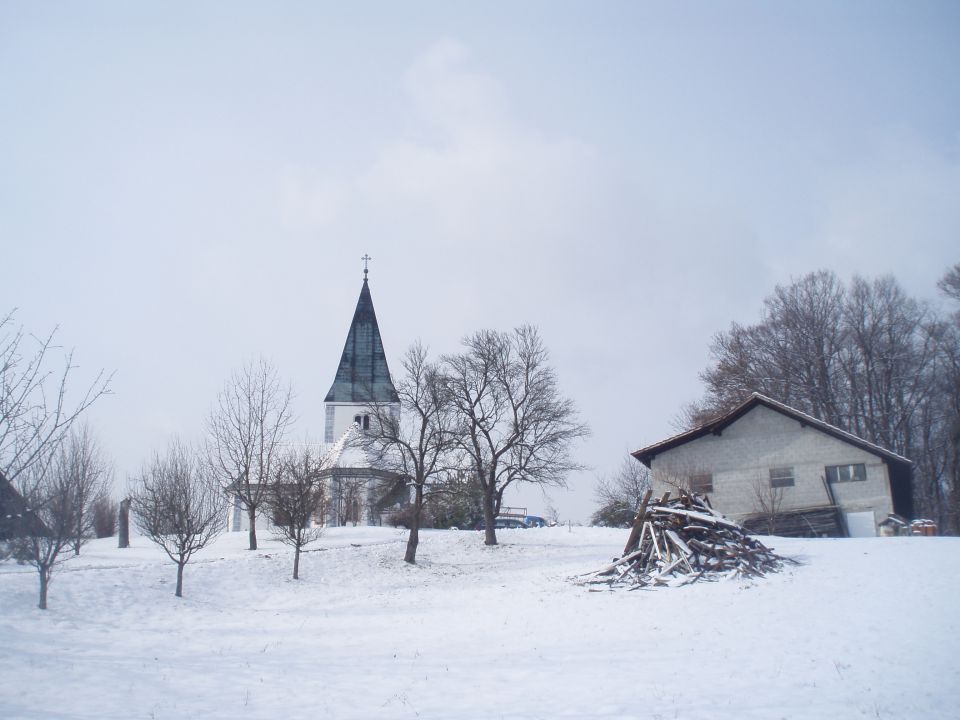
(246, 431)
(944, 442)
(512, 423)
(794, 353)
(768, 502)
(949, 284)
(618, 497)
(178, 504)
(552, 513)
(35, 408)
(419, 444)
(296, 499)
(89, 474)
(49, 519)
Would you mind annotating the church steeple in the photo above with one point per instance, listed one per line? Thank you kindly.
(363, 375)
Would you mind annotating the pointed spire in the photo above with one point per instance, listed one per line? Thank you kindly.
(363, 365)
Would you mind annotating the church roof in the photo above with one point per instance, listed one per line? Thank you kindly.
(363, 375)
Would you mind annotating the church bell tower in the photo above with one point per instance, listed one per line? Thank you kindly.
(362, 375)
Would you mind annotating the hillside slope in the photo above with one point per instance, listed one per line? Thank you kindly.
(862, 628)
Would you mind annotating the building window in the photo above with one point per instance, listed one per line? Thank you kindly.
(237, 514)
(781, 477)
(358, 419)
(702, 484)
(846, 473)
(366, 422)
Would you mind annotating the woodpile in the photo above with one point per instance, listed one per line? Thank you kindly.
(679, 541)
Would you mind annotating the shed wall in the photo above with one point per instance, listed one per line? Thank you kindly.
(741, 457)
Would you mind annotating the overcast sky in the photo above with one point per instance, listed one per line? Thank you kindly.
(186, 185)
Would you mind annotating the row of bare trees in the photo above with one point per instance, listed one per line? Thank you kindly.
(492, 413)
(56, 482)
(54, 477)
(472, 425)
(180, 499)
(863, 356)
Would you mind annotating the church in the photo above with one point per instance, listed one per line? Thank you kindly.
(357, 493)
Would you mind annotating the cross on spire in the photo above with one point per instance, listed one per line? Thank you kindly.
(366, 258)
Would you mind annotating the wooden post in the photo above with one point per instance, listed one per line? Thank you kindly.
(634, 538)
(124, 524)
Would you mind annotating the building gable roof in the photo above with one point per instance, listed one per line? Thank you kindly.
(16, 519)
(717, 426)
(363, 375)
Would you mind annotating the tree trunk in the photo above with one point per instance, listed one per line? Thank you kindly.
(489, 516)
(179, 592)
(44, 583)
(124, 523)
(296, 563)
(252, 514)
(411, 554)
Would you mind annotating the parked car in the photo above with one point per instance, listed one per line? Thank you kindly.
(535, 521)
(502, 523)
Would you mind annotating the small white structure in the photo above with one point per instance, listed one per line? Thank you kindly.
(774, 468)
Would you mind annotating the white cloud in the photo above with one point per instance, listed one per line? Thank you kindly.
(308, 201)
(471, 173)
(452, 96)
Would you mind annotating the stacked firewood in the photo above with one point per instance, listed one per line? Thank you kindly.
(679, 541)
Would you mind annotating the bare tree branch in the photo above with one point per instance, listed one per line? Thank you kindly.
(35, 410)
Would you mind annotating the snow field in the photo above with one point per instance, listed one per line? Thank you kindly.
(862, 628)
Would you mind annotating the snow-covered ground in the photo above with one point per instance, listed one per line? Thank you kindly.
(862, 628)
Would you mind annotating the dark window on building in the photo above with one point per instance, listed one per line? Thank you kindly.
(366, 422)
(702, 484)
(846, 473)
(781, 477)
(357, 419)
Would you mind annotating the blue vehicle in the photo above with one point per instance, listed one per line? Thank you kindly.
(504, 523)
(535, 521)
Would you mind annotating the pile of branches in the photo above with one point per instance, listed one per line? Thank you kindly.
(679, 541)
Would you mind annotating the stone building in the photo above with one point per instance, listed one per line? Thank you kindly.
(776, 469)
